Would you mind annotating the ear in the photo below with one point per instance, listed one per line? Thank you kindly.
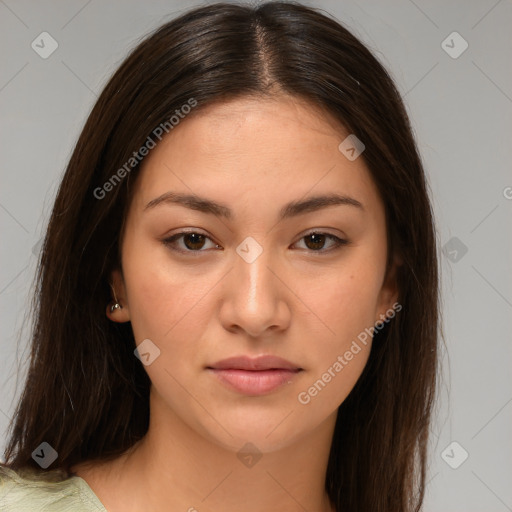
(389, 292)
(118, 290)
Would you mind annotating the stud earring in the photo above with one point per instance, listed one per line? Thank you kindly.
(116, 304)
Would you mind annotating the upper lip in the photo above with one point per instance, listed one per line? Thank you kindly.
(266, 362)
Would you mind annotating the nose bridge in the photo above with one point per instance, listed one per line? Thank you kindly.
(254, 276)
(254, 300)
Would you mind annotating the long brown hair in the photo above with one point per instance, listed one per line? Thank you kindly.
(86, 394)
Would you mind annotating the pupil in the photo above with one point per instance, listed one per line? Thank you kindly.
(194, 239)
(318, 241)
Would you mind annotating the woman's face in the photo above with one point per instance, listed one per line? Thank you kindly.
(251, 280)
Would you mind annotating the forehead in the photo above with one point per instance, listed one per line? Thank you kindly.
(257, 152)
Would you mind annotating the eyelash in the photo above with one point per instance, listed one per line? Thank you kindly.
(168, 242)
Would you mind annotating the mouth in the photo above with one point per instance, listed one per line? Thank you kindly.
(255, 376)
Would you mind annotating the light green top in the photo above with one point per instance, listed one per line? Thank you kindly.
(45, 491)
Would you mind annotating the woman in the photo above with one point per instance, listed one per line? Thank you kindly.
(237, 303)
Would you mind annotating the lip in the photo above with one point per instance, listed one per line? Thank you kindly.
(255, 376)
(266, 362)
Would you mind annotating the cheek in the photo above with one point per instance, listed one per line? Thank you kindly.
(342, 301)
(341, 345)
(163, 300)
(330, 386)
(342, 304)
(150, 294)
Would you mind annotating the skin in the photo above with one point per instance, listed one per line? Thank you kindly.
(307, 306)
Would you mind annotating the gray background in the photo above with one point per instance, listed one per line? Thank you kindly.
(461, 112)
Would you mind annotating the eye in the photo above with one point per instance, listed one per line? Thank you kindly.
(192, 241)
(315, 241)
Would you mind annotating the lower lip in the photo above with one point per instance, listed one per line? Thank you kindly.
(255, 383)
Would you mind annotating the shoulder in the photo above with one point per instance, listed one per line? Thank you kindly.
(45, 491)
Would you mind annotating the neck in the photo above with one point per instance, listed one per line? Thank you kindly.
(174, 467)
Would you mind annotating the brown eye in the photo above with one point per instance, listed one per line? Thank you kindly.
(189, 241)
(316, 242)
(194, 241)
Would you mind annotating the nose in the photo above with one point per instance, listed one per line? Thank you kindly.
(255, 297)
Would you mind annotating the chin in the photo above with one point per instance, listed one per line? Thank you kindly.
(268, 431)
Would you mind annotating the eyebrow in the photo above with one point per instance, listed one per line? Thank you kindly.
(291, 209)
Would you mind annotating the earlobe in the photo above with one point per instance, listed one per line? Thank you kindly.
(117, 309)
(119, 314)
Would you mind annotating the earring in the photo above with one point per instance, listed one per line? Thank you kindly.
(116, 304)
